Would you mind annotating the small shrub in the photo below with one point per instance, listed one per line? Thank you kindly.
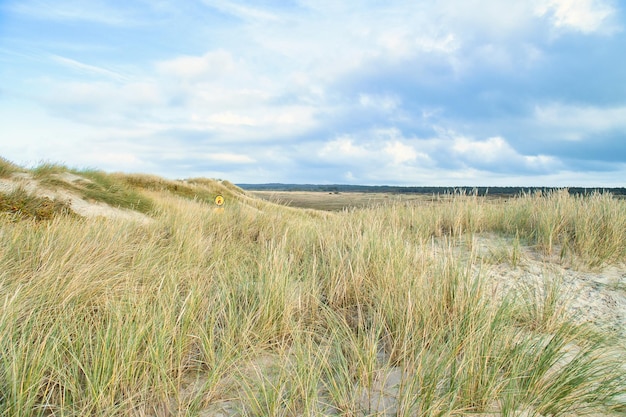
(24, 206)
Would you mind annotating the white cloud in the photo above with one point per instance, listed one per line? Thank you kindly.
(327, 43)
(258, 120)
(142, 93)
(576, 122)
(289, 75)
(88, 69)
(345, 149)
(375, 156)
(586, 16)
(73, 10)
(211, 65)
(384, 102)
(400, 152)
(105, 103)
(500, 20)
(228, 118)
(504, 58)
(490, 150)
(242, 11)
(379, 147)
(497, 154)
(405, 42)
(495, 19)
(447, 44)
(230, 158)
(215, 95)
(111, 159)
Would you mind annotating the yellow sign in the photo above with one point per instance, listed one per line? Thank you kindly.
(219, 200)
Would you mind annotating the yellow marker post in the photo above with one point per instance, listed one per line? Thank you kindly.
(219, 202)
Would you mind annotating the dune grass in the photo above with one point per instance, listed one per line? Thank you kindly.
(125, 190)
(200, 189)
(46, 168)
(7, 168)
(19, 204)
(269, 311)
(112, 189)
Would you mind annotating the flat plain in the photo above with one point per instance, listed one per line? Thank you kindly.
(337, 201)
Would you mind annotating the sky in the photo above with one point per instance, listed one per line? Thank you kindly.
(372, 92)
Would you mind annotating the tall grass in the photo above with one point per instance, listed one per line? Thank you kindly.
(19, 204)
(591, 226)
(113, 189)
(109, 189)
(269, 311)
(7, 168)
(194, 189)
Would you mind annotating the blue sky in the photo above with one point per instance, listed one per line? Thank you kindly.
(447, 92)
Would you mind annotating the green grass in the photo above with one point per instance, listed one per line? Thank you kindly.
(193, 189)
(7, 168)
(19, 204)
(265, 310)
(46, 169)
(112, 190)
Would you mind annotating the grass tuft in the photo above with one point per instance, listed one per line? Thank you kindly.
(7, 168)
(110, 189)
(46, 169)
(19, 204)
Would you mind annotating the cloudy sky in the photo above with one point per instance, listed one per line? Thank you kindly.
(402, 92)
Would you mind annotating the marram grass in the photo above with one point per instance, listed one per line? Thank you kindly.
(258, 311)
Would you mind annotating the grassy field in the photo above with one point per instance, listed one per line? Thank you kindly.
(265, 310)
(339, 201)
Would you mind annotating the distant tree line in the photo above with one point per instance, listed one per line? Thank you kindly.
(481, 191)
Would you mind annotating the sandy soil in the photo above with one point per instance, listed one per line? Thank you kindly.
(596, 296)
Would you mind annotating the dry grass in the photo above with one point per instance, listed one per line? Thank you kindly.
(19, 204)
(270, 311)
(7, 168)
(339, 201)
